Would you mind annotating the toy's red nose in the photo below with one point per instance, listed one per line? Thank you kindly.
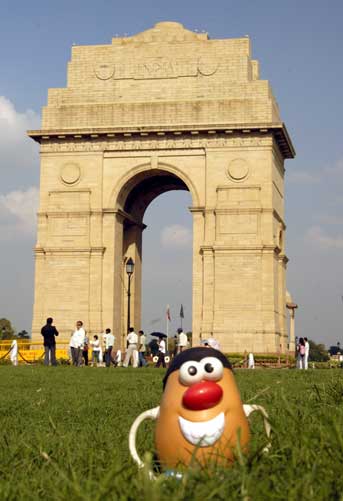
(202, 396)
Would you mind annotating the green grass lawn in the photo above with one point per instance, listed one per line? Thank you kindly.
(64, 435)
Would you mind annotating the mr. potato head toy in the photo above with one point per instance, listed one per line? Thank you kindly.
(201, 417)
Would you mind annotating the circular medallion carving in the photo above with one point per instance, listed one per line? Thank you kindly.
(104, 71)
(238, 169)
(70, 173)
(207, 66)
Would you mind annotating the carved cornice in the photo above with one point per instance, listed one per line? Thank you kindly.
(72, 250)
(101, 139)
(195, 210)
(234, 248)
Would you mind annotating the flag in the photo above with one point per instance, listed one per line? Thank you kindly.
(168, 313)
(181, 312)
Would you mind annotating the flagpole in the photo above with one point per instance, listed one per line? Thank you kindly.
(167, 331)
(182, 315)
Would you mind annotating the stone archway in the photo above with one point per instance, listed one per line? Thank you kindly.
(165, 109)
(132, 200)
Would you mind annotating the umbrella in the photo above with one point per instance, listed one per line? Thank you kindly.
(158, 334)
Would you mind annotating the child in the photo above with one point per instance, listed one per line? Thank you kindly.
(96, 350)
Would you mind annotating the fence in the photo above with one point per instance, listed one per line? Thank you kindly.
(31, 352)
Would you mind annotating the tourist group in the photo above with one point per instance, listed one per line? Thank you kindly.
(103, 350)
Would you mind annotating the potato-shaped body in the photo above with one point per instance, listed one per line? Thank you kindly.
(201, 415)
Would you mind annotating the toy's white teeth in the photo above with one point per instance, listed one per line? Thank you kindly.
(203, 433)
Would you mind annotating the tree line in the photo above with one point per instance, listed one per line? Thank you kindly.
(8, 332)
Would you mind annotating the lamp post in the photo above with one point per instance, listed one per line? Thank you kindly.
(293, 338)
(129, 270)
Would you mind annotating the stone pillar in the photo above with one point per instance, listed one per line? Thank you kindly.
(95, 291)
(282, 263)
(112, 273)
(132, 247)
(197, 306)
(292, 307)
(38, 305)
(95, 274)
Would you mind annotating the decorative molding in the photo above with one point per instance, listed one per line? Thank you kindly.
(274, 131)
(72, 250)
(195, 210)
(159, 142)
(75, 190)
(261, 248)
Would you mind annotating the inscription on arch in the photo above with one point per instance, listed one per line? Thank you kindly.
(157, 68)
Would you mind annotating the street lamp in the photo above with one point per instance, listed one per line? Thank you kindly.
(129, 270)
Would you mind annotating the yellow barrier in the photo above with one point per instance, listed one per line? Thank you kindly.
(31, 355)
(27, 344)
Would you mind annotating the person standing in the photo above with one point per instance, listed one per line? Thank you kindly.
(251, 361)
(14, 352)
(49, 333)
(85, 349)
(76, 343)
(301, 353)
(175, 347)
(109, 343)
(307, 353)
(142, 349)
(161, 353)
(95, 344)
(132, 341)
(182, 341)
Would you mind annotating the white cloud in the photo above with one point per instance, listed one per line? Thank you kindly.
(176, 236)
(317, 236)
(19, 165)
(17, 150)
(18, 213)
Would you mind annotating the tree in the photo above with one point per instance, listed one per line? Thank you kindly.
(6, 329)
(23, 334)
(318, 352)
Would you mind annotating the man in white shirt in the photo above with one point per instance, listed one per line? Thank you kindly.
(182, 341)
(109, 343)
(132, 341)
(142, 349)
(251, 361)
(161, 353)
(14, 352)
(307, 352)
(76, 343)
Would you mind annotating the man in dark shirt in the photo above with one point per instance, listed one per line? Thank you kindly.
(49, 332)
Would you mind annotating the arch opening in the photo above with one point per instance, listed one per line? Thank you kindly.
(137, 194)
(135, 197)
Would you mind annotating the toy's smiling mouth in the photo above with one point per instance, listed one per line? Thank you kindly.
(203, 433)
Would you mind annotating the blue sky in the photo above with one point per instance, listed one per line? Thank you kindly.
(299, 46)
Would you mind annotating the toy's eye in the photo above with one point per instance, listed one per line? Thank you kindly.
(213, 368)
(191, 372)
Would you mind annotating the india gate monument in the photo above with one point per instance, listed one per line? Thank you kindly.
(166, 109)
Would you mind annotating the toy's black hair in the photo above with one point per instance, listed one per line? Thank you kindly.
(195, 354)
